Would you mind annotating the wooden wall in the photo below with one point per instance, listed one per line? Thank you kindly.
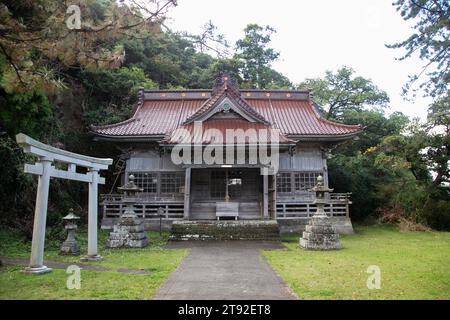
(151, 160)
(305, 157)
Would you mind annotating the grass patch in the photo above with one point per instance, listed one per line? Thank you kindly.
(414, 265)
(94, 284)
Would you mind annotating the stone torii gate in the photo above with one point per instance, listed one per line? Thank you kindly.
(45, 170)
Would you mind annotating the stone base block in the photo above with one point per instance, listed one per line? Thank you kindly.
(320, 237)
(324, 245)
(324, 229)
(127, 243)
(226, 230)
(320, 234)
(93, 258)
(126, 235)
(119, 228)
(37, 270)
(70, 248)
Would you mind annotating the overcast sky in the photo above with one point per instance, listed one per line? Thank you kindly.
(318, 35)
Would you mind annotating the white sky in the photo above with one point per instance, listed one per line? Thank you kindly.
(318, 35)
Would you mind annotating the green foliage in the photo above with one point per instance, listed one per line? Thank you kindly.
(169, 60)
(41, 43)
(388, 168)
(376, 126)
(355, 174)
(30, 113)
(436, 136)
(431, 40)
(16, 188)
(341, 92)
(256, 57)
(112, 93)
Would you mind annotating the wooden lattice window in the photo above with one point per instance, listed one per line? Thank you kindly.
(284, 182)
(304, 181)
(172, 182)
(147, 181)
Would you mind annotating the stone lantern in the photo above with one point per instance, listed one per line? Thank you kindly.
(320, 234)
(70, 246)
(130, 230)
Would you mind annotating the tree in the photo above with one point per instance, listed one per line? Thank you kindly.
(436, 133)
(113, 93)
(339, 92)
(431, 40)
(376, 125)
(256, 57)
(41, 40)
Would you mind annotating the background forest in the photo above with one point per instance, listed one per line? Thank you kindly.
(56, 81)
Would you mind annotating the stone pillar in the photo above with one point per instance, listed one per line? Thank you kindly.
(187, 193)
(266, 196)
(92, 218)
(40, 217)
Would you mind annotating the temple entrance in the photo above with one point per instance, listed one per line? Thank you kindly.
(226, 184)
(240, 187)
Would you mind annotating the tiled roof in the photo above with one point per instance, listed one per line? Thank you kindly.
(299, 118)
(257, 132)
(153, 118)
(159, 113)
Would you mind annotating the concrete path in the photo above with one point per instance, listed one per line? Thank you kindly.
(225, 270)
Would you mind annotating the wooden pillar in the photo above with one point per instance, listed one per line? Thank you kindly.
(40, 218)
(227, 196)
(93, 217)
(187, 193)
(266, 196)
(273, 198)
(325, 172)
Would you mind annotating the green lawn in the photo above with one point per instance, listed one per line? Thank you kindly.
(414, 265)
(155, 259)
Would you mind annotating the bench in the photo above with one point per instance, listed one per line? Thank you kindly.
(227, 209)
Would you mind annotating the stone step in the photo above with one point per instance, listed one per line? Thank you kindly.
(267, 230)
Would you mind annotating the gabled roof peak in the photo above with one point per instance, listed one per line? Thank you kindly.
(226, 94)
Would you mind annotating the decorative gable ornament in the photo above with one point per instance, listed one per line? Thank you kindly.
(226, 107)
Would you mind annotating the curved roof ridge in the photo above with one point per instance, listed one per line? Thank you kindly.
(320, 118)
(113, 125)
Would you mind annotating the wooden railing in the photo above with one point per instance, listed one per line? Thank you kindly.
(145, 207)
(173, 208)
(338, 206)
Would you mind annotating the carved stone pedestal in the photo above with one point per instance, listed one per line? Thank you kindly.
(319, 234)
(129, 232)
